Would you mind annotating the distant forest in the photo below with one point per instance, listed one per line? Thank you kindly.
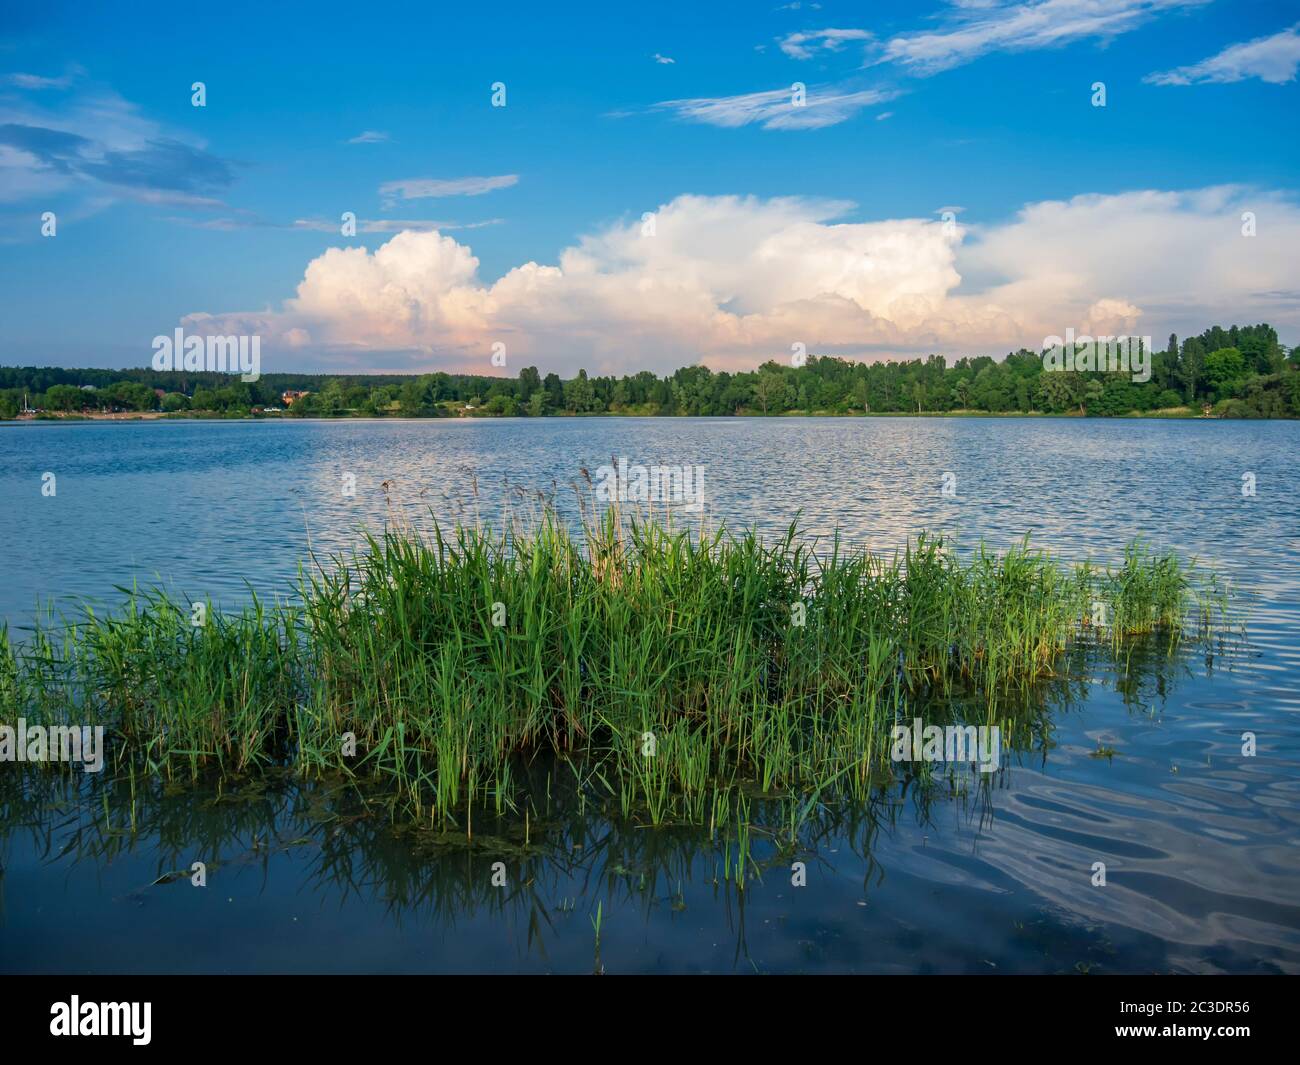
(1239, 372)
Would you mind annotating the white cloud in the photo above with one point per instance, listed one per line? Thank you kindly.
(248, 220)
(977, 30)
(1179, 257)
(733, 281)
(425, 188)
(775, 108)
(1273, 59)
(391, 225)
(96, 147)
(662, 58)
(369, 136)
(805, 44)
(972, 28)
(37, 81)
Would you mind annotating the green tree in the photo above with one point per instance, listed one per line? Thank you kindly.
(64, 397)
(530, 381)
(770, 391)
(503, 404)
(1224, 368)
(1190, 367)
(579, 396)
(554, 391)
(1055, 391)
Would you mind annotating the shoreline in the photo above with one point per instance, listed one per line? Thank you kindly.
(1168, 414)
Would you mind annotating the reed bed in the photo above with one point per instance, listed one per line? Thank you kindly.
(672, 671)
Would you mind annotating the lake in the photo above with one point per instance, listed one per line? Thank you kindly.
(1200, 842)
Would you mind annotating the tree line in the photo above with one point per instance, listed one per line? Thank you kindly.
(1238, 372)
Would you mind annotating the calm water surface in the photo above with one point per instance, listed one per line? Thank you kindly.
(1200, 843)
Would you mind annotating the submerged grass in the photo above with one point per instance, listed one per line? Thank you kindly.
(672, 670)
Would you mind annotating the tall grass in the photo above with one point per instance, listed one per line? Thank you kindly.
(672, 670)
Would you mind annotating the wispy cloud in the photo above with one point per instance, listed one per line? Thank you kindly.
(826, 105)
(974, 31)
(97, 147)
(38, 81)
(970, 29)
(430, 188)
(160, 165)
(1272, 59)
(392, 225)
(662, 58)
(370, 136)
(248, 220)
(806, 44)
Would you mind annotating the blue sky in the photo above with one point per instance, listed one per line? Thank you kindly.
(819, 224)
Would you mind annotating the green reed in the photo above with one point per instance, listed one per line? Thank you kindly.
(674, 669)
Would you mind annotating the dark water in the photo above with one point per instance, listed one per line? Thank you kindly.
(1200, 843)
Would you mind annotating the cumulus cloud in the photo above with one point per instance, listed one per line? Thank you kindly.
(733, 281)
(1273, 59)
(1177, 259)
